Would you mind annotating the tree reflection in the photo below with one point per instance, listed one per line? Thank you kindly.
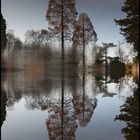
(84, 104)
(84, 107)
(3, 106)
(66, 96)
(126, 83)
(130, 115)
(61, 122)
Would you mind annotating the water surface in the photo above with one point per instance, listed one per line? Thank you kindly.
(42, 104)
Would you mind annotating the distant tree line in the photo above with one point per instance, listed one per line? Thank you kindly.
(13, 43)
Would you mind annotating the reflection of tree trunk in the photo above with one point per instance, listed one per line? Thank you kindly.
(62, 65)
(62, 113)
(62, 98)
(106, 73)
(75, 60)
(83, 47)
(3, 106)
(130, 115)
(105, 85)
(83, 93)
(62, 31)
(106, 70)
(83, 69)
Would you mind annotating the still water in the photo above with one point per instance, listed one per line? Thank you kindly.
(37, 105)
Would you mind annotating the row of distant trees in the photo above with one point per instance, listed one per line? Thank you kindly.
(12, 41)
(8, 39)
(42, 38)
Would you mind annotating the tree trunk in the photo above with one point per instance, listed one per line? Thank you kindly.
(83, 48)
(83, 69)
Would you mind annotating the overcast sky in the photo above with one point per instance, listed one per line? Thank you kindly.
(22, 15)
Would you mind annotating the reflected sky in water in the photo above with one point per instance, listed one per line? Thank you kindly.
(37, 105)
(37, 109)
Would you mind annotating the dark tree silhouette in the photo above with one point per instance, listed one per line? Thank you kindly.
(130, 115)
(3, 106)
(130, 24)
(3, 41)
(3, 33)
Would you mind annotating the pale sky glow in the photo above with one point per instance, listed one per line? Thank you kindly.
(22, 15)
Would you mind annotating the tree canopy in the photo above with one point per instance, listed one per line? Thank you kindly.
(130, 24)
(37, 38)
(3, 33)
(84, 28)
(61, 14)
(130, 115)
(13, 42)
(84, 33)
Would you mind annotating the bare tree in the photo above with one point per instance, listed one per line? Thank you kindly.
(33, 37)
(45, 36)
(37, 38)
(10, 39)
(61, 16)
(84, 33)
(18, 43)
